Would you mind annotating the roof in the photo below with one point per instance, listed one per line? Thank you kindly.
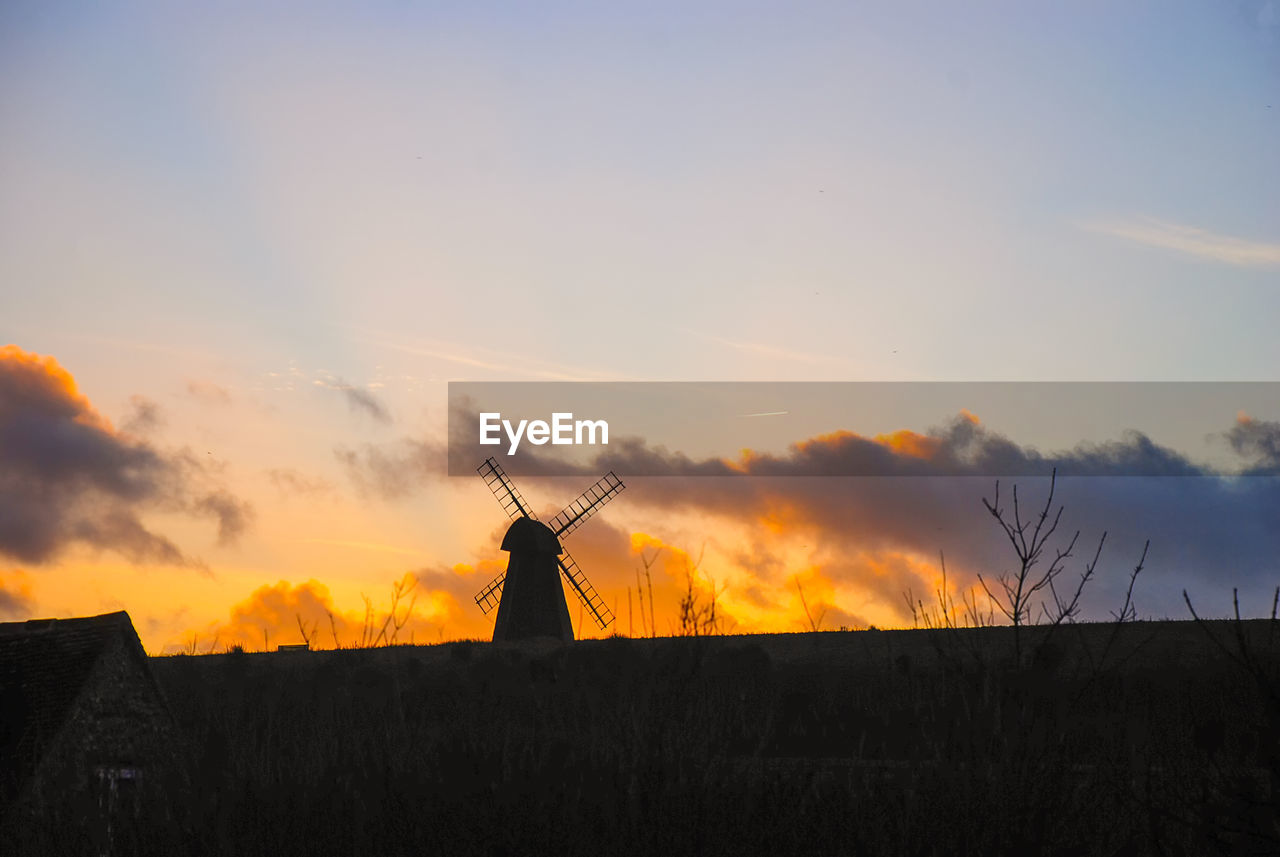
(526, 535)
(44, 664)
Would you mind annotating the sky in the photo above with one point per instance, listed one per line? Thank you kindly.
(245, 247)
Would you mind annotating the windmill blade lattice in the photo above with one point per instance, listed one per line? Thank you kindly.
(576, 513)
(489, 597)
(513, 503)
(586, 592)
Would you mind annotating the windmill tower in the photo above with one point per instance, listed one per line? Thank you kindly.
(528, 595)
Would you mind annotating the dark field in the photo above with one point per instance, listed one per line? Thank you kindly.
(1143, 738)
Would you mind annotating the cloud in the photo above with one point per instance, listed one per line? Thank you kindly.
(67, 477)
(208, 392)
(392, 471)
(1193, 241)
(358, 399)
(275, 614)
(15, 597)
(961, 447)
(1258, 440)
(144, 416)
(876, 537)
(272, 614)
(290, 481)
(232, 514)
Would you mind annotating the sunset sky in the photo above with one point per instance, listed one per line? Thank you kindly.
(244, 247)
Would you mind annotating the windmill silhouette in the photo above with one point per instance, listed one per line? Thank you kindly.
(528, 595)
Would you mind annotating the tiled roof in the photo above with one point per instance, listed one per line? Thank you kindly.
(44, 663)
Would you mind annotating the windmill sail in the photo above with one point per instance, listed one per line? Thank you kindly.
(586, 592)
(489, 597)
(512, 502)
(577, 512)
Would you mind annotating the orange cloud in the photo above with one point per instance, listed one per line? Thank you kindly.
(16, 601)
(286, 614)
(424, 606)
(907, 442)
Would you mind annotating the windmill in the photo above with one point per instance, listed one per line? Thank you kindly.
(528, 595)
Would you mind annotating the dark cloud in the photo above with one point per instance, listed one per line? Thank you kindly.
(359, 400)
(121, 531)
(144, 416)
(364, 401)
(67, 477)
(392, 471)
(1259, 441)
(1208, 532)
(290, 481)
(232, 514)
(963, 447)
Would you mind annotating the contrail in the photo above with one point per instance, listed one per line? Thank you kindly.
(766, 414)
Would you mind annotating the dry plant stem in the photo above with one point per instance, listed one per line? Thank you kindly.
(1018, 593)
(911, 605)
(1242, 658)
(653, 631)
(1275, 603)
(306, 637)
(333, 629)
(1068, 609)
(945, 602)
(394, 621)
(366, 629)
(640, 596)
(814, 625)
(697, 618)
(1246, 657)
(1128, 612)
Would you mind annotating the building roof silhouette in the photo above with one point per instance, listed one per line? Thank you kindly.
(44, 667)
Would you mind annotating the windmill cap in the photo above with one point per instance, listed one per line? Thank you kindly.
(525, 535)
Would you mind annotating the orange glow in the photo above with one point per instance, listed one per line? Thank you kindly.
(781, 518)
(907, 442)
(282, 613)
(834, 438)
(15, 588)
